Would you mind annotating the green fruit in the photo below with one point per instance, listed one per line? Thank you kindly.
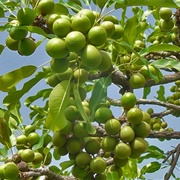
(27, 155)
(122, 150)
(156, 126)
(164, 125)
(120, 162)
(60, 9)
(89, 14)
(81, 23)
(62, 151)
(106, 62)
(138, 45)
(103, 114)
(10, 170)
(98, 165)
(26, 16)
(18, 34)
(26, 46)
(71, 113)
(125, 59)
(111, 18)
(75, 41)
(134, 115)
(67, 129)
(52, 80)
(128, 100)
(46, 6)
(59, 139)
(100, 177)
(59, 65)
(166, 25)
(2, 171)
(74, 145)
(33, 138)
(142, 129)
(12, 44)
(146, 117)
(78, 172)
(150, 111)
(137, 80)
(50, 20)
(61, 27)
(28, 129)
(79, 130)
(38, 158)
(91, 56)
(56, 48)
(108, 143)
(113, 168)
(81, 75)
(138, 145)
(83, 159)
(127, 134)
(97, 36)
(66, 75)
(112, 126)
(21, 140)
(146, 70)
(118, 33)
(92, 146)
(165, 13)
(109, 27)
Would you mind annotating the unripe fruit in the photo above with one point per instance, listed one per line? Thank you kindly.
(67, 129)
(92, 146)
(146, 117)
(27, 155)
(166, 25)
(50, 20)
(10, 170)
(134, 115)
(111, 18)
(165, 13)
(59, 65)
(18, 34)
(120, 162)
(137, 80)
(83, 159)
(71, 113)
(108, 143)
(74, 145)
(109, 27)
(38, 158)
(52, 80)
(46, 6)
(119, 32)
(61, 27)
(26, 46)
(122, 150)
(78, 172)
(12, 44)
(22, 139)
(128, 100)
(81, 75)
(56, 48)
(138, 45)
(75, 41)
(26, 16)
(59, 139)
(79, 130)
(91, 56)
(127, 134)
(144, 71)
(66, 75)
(89, 14)
(97, 36)
(33, 138)
(112, 126)
(98, 165)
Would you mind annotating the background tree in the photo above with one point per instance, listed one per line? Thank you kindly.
(130, 48)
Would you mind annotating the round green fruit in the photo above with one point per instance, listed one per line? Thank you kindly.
(33, 138)
(26, 16)
(81, 75)
(62, 151)
(125, 59)
(46, 7)
(79, 130)
(71, 113)
(98, 165)
(10, 170)
(27, 155)
(60, 9)
(128, 100)
(56, 48)
(146, 70)
(91, 56)
(18, 34)
(119, 32)
(52, 80)
(120, 162)
(81, 23)
(142, 129)
(165, 13)
(38, 158)
(92, 146)
(97, 36)
(21, 140)
(108, 143)
(127, 134)
(112, 126)
(166, 25)
(59, 139)
(134, 115)
(83, 159)
(66, 75)
(61, 27)
(109, 27)
(74, 145)
(50, 20)
(122, 150)
(106, 62)
(111, 18)
(26, 46)
(146, 117)
(11, 43)
(59, 65)
(137, 80)
(75, 41)
(103, 114)
(67, 129)
(138, 45)
(89, 14)
(79, 172)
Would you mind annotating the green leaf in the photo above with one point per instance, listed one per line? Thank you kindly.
(154, 149)
(13, 98)
(167, 63)
(58, 101)
(1, 12)
(146, 92)
(112, 175)
(56, 155)
(54, 169)
(79, 105)
(161, 93)
(73, 5)
(66, 164)
(151, 168)
(10, 79)
(99, 93)
(4, 152)
(1, 48)
(131, 30)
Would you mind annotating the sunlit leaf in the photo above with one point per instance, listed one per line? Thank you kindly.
(1, 48)
(1, 12)
(10, 79)
(66, 164)
(73, 5)
(54, 169)
(56, 155)
(161, 93)
(146, 92)
(58, 101)
(112, 175)
(151, 167)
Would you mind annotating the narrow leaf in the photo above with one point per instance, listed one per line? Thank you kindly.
(146, 92)
(66, 164)
(1, 48)
(58, 101)
(151, 167)
(1, 12)
(99, 93)
(10, 79)
(79, 105)
(161, 93)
